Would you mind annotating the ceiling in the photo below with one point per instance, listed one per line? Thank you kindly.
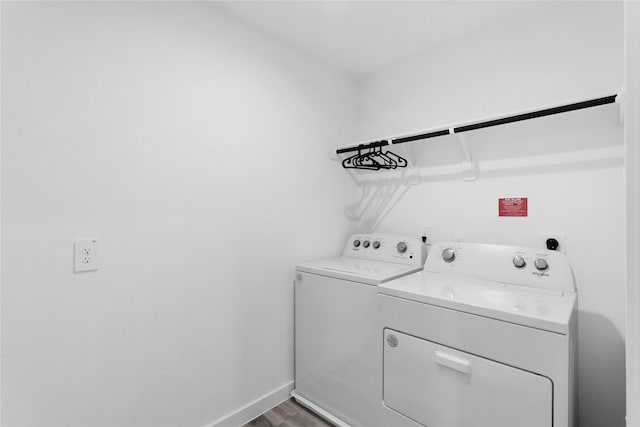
(361, 37)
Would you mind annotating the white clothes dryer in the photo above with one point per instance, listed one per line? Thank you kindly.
(484, 336)
(337, 347)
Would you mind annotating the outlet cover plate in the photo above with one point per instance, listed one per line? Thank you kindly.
(86, 255)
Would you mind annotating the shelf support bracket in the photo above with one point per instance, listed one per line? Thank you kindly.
(469, 167)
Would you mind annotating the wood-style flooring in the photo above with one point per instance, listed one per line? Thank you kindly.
(288, 414)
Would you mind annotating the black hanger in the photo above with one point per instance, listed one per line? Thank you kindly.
(373, 159)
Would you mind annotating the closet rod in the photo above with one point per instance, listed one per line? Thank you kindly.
(480, 125)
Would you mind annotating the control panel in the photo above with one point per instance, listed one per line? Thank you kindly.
(386, 247)
(543, 269)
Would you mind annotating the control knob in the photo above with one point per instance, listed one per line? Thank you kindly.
(402, 247)
(519, 262)
(366, 243)
(448, 255)
(376, 244)
(541, 264)
(356, 243)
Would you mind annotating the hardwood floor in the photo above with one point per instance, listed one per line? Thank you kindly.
(288, 414)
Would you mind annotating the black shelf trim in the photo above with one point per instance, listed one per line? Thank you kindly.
(485, 124)
(540, 113)
(363, 146)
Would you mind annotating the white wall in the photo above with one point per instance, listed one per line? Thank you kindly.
(194, 149)
(632, 146)
(570, 166)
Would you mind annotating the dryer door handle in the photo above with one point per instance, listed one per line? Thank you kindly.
(453, 362)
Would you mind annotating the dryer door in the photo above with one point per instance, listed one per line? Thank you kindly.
(439, 386)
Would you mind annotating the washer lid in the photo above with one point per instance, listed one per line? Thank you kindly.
(358, 270)
(539, 308)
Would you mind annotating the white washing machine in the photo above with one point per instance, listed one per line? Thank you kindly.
(337, 346)
(484, 336)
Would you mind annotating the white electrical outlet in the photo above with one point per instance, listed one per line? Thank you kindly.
(86, 255)
(560, 237)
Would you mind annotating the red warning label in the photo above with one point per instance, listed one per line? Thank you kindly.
(512, 206)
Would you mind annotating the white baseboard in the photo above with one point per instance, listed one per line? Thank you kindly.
(255, 408)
